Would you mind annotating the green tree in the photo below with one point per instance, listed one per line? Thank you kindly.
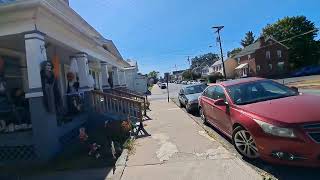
(248, 39)
(186, 75)
(233, 52)
(203, 60)
(153, 74)
(212, 78)
(297, 33)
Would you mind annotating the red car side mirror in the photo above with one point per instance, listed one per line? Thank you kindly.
(294, 88)
(220, 102)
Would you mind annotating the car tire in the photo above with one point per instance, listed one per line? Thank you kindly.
(244, 143)
(180, 104)
(202, 116)
(188, 109)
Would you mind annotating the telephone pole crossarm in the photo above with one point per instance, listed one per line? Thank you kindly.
(219, 39)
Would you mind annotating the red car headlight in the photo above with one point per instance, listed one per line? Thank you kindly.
(274, 130)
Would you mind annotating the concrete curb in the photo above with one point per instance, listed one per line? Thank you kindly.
(119, 166)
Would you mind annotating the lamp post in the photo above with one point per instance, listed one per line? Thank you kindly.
(219, 39)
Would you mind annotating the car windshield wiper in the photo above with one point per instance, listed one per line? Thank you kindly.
(266, 99)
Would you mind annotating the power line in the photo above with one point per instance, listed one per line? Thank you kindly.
(284, 40)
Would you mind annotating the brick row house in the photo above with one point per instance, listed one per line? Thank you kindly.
(266, 57)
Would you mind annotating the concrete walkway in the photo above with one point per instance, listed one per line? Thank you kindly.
(179, 149)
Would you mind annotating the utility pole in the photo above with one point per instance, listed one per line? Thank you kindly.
(190, 67)
(166, 76)
(219, 39)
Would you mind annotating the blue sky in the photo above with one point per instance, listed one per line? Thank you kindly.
(160, 34)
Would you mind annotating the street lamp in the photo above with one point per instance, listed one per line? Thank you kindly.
(218, 28)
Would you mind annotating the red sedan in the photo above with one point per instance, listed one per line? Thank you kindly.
(265, 120)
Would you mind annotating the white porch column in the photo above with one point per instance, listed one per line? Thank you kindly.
(44, 124)
(104, 76)
(82, 60)
(115, 76)
(122, 81)
(35, 55)
(125, 78)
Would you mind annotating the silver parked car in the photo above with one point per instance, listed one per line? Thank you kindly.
(188, 96)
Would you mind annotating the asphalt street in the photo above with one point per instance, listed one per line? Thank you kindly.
(161, 94)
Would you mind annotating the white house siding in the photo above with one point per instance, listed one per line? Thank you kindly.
(141, 84)
(55, 29)
(131, 74)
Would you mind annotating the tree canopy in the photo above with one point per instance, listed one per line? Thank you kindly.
(203, 60)
(297, 33)
(248, 39)
(233, 52)
(153, 74)
(187, 75)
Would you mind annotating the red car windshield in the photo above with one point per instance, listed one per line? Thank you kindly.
(257, 91)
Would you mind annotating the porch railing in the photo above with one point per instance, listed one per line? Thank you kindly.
(123, 106)
(129, 91)
(133, 96)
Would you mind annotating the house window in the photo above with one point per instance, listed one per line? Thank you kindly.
(270, 66)
(279, 53)
(268, 55)
(280, 66)
(249, 56)
(258, 67)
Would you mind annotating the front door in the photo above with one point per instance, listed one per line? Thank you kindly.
(208, 103)
(220, 112)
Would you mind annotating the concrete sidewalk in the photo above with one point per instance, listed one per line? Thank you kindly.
(179, 149)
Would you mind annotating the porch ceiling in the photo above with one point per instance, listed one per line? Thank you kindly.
(13, 42)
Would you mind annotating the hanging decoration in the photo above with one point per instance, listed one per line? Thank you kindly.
(74, 69)
(70, 78)
(56, 65)
(51, 92)
(74, 66)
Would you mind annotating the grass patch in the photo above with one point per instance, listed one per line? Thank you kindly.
(150, 87)
(306, 84)
(129, 145)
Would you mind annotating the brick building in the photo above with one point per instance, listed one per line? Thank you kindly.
(266, 57)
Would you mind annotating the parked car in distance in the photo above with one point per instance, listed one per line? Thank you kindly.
(202, 81)
(193, 82)
(305, 71)
(163, 86)
(188, 96)
(265, 120)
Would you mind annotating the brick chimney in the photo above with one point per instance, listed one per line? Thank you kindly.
(262, 41)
